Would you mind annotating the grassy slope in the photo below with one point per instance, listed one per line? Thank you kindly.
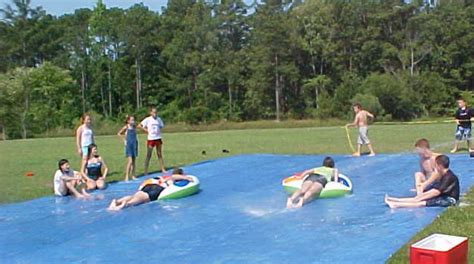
(40, 156)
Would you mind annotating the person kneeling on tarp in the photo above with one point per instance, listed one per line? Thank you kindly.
(314, 183)
(149, 190)
(444, 193)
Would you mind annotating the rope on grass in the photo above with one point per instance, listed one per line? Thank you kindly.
(349, 139)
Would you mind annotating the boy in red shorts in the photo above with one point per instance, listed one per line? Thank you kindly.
(152, 125)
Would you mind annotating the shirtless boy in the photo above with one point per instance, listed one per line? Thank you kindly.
(427, 174)
(360, 121)
(445, 191)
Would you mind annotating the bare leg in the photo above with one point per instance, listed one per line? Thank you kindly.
(132, 168)
(372, 153)
(315, 188)
(101, 183)
(357, 153)
(91, 185)
(393, 204)
(127, 168)
(403, 199)
(160, 157)
(296, 195)
(469, 145)
(71, 186)
(419, 179)
(456, 145)
(149, 151)
(138, 198)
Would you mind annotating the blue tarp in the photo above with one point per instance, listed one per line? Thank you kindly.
(238, 217)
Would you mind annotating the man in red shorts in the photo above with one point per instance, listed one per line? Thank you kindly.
(152, 125)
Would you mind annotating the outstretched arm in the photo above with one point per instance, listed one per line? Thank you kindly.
(369, 114)
(181, 177)
(354, 124)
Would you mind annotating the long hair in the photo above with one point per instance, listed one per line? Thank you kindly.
(89, 150)
(83, 117)
(61, 162)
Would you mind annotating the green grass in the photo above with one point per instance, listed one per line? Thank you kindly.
(41, 155)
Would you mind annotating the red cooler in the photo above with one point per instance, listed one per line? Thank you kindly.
(440, 249)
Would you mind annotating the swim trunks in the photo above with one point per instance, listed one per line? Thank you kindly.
(441, 201)
(363, 139)
(463, 133)
(153, 191)
(317, 178)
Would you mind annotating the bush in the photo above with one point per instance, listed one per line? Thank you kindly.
(196, 115)
(369, 103)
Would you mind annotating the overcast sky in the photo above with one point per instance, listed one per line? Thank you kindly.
(59, 7)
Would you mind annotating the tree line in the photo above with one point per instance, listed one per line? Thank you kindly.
(205, 61)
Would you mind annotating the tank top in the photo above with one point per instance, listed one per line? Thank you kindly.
(131, 136)
(324, 171)
(86, 136)
(94, 170)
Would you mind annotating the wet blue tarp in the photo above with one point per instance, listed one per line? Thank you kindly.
(238, 217)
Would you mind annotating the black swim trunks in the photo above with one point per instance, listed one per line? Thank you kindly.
(153, 191)
(441, 201)
(317, 178)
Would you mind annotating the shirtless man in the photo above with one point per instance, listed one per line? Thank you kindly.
(360, 121)
(427, 174)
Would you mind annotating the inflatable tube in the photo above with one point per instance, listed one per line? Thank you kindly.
(180, 189)
(332, 189)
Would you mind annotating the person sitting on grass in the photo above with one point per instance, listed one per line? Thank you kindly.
(361, 122)
(94, 170)
(66, 181)
(314, 183)
(444, 193)
(427, 174)
(149, 190)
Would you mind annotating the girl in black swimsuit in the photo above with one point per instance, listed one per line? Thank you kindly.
(148, 191)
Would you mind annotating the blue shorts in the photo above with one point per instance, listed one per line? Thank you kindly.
(84, 149)
(463, 133)
(441, 201)
(131, 150)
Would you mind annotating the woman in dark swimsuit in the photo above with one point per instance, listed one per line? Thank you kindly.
(95, 170)
(148, 191)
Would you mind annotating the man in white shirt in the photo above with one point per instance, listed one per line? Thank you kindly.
(152, 125)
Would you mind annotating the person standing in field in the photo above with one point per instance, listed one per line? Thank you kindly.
(360, 121)
(131, 145)
(84, 137)
(152, 125)
(463, 129)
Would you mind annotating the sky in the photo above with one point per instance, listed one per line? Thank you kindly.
(60, 7)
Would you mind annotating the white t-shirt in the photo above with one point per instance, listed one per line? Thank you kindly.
(153, 126)
(59, 186)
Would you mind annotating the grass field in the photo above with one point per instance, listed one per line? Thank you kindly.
(40, 156)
